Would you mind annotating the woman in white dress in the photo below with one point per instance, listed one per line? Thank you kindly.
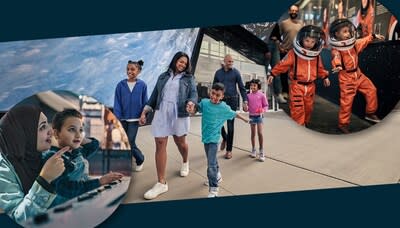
(174, 94)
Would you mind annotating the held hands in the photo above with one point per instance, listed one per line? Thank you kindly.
(245, 107)
(142, 120)
(327, 82)
(54, 167)
(190, 107)
(337, 69)
(110, 177)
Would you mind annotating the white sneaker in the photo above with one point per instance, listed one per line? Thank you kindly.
(185, 169)
(261, 156)
(156, 190)
(219, 179)
(139, 167)
(281, 99)
(253, 153)
(213, 192)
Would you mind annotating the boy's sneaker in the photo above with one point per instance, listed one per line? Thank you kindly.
(156, 190)
(253, 153)
(373, 118)
(185, 169)
(213, 192)
(219, 179)
(261, 156)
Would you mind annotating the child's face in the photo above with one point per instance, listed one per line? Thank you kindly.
(71, 133)
(216, 96)
(44, 134)
(132, 71)
(309, 43)
(253, 87)
(343, 33)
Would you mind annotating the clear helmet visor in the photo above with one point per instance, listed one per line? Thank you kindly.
(309, 42)
(342, 34)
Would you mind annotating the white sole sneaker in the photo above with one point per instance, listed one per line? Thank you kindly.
(253, 154)
(372, 120)
(208, 184)
(212, 194)
(184, 169)
(139, 168)
(156, 190)
(219, 179)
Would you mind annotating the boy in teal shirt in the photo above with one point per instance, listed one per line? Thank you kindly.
(214, 114)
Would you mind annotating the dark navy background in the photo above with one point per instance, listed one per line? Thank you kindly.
(375, 206)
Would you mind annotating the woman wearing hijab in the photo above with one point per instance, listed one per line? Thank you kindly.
(25, 183)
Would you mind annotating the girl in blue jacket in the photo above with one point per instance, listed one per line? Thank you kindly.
(129, 101)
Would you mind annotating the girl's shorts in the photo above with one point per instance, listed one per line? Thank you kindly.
(256, 119)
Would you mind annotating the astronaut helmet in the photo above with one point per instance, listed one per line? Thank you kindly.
(342, 34)
(309, 42)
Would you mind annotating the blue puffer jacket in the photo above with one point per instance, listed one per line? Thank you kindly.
(187, 92)
(14, 202)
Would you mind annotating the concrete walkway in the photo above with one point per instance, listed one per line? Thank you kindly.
(298, 159)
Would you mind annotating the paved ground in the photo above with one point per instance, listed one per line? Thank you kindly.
(298, 159)
(324, 118)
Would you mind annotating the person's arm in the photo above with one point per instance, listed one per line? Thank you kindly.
(89, 147)
(264, 103)
(195, 108)
(226, 113)
(192, 96)
(70, 189)
(322, 73)
(283, 66)
(215, 80)
(244, 118)
(15, 203)
(145, 97)
(242, 89)
(363, 42)
(151, 103)
(336, 61)
(117, 102)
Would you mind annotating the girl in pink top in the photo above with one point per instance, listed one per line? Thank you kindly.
(258, 104)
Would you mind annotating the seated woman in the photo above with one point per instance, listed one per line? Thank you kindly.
(25, 182)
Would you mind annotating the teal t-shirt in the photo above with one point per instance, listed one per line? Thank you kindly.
(213, 117)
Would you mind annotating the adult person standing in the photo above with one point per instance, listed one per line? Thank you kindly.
(25, 182)
(174, 91)
(272, 58)
(231, 78)
(288, 30)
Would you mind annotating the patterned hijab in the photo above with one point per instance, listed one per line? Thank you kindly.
(18, 139)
